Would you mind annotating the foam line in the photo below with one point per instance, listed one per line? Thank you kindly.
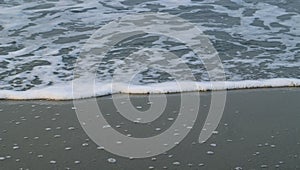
(64, 91)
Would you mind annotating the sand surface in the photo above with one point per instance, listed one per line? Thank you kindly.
(260, 128)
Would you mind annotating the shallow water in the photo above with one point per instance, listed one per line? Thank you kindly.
(41, 41)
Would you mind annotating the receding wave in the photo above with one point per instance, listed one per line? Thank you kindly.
(41, 43)
(65, 92)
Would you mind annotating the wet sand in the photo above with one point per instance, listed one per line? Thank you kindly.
(260, 128)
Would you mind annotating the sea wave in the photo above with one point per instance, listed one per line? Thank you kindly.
(41, 43)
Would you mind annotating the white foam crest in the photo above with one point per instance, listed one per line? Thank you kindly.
(64, 91)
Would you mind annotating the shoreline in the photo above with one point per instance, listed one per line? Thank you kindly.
(150, 93)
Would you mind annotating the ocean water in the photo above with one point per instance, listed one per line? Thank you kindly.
(258, 43)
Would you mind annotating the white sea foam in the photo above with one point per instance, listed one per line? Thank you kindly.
(64, 92)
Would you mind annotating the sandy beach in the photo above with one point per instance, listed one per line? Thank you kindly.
(149, 84)
(259, 129)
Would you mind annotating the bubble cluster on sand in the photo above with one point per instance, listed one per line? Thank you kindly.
(176, 163)
(151, 167)
(52, 162)
(213, 144)
(111, 160)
